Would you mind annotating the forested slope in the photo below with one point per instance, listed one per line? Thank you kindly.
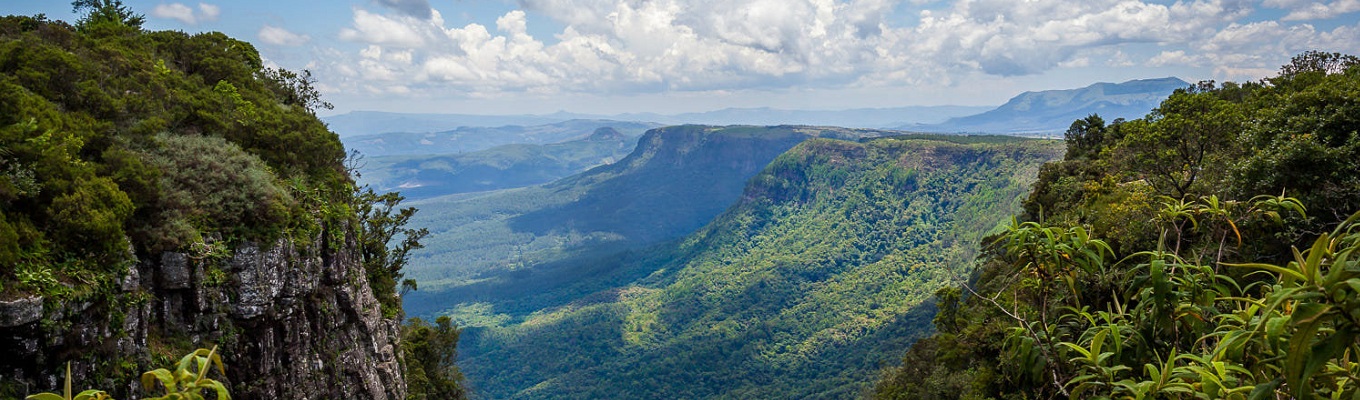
(1205, 250)
(531, 245)
(817, 275)
(161, 192)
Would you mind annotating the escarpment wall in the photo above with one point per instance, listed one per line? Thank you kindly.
(291, 320)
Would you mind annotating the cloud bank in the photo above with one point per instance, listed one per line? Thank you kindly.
(621, 46)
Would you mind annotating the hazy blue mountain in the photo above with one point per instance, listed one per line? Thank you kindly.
(871, 118)
(361, 123)
(501, 167)
(1053, 111)
(469, 139)
(357, 123)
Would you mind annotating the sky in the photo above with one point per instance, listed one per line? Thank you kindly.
(672, 56)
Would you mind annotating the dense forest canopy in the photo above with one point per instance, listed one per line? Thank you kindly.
(116, 138)
(1205, 250)
(118, 144)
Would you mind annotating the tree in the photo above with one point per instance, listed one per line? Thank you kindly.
(295, 89)
(1317, 62)
(105, 12)
(379, 223)
(1170, 146)
(1085, 137)
(431, 353)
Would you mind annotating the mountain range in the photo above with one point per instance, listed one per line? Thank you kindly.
(1048, 111)
(1052, 111)
(470, 139)
(360, 123)
(500, 167)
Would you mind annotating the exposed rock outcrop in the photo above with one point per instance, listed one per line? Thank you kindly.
(292, 320)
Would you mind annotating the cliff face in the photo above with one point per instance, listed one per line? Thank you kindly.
(291, 321)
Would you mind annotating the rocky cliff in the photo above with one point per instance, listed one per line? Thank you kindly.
(292, 320)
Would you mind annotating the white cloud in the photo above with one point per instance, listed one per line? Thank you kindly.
(209, 12)
(186, 14)
(1165, 58)
(1258, 49)
(1302, 10)
(379, 29)
(281, 37)
(630, 46)
(175, 11)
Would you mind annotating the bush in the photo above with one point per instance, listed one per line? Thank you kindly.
(210, 184)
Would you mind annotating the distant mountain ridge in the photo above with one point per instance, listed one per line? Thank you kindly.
(1047, 111)
(1053, 111)
(359, 123)
(470, 139)
(500, 167)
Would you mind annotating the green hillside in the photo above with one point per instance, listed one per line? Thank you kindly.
(501, 167)
(146, 180)
(1206, 250)
(819, 274)
(536, 244)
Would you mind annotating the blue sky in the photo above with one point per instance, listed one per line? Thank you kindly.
(615, 56)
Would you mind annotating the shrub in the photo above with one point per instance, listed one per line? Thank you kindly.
(210, 184)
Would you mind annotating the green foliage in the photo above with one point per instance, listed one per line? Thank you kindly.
(294, 89)
(117, 144)
(190, 379)
(99, 13)
(90, 394)
(431, 353)
(210, 185)
(187, 382)
(1172, 146)
(1152, 266)
(1084, 137)
(115, 138)
(379, 223)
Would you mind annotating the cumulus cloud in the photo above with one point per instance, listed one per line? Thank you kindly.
(175, 11)
(379, 29)
(1309, 10)
(415, 8)
(281, 37)
(186, 14)
(695, 45)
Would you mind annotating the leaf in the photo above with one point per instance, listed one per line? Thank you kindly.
(219, 388)
(1328, 349)
(160, 374)
(1283, 272)
(91, 394)
(1313, 264)
(1300, 346)
(45, 396)
(1265, 391)
(1306, 313)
